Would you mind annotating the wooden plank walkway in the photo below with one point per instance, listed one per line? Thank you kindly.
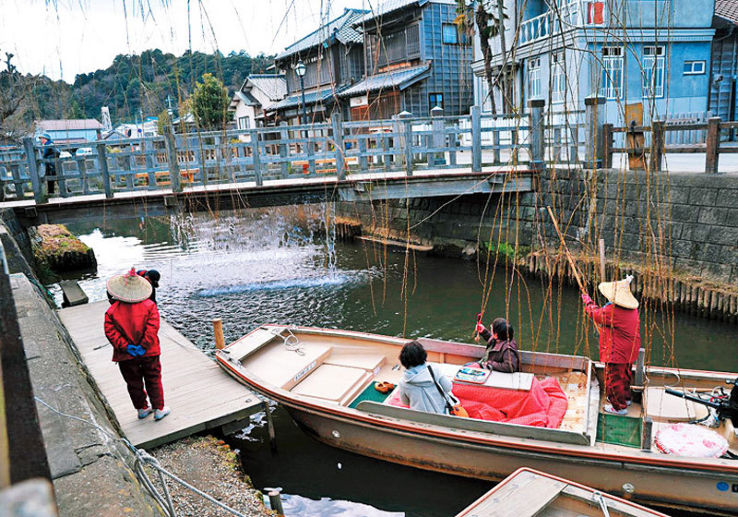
(200, 394)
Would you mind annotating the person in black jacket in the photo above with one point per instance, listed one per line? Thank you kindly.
(153, 276)
(502, 351)
(49, 155)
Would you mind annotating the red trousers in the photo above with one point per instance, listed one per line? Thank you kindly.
(140, 370)
(618, 377)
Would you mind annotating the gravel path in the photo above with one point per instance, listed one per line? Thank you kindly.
(210, 465)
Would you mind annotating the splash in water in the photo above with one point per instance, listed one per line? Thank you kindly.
(317, 282)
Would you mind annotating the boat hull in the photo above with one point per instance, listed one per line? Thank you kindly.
(673, 487)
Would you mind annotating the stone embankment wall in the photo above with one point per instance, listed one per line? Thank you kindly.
(678, 233)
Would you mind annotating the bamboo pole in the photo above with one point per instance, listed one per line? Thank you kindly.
(602, 261)
(566, 251)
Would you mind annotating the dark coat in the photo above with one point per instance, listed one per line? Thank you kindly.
(500, 356)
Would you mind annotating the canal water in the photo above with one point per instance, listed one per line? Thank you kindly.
(285, 266)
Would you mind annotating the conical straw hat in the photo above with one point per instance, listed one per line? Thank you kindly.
(129, 288)
(619, 293)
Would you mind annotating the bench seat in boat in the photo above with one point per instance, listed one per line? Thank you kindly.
(339, 384)
(285, 368)
(662, 407)
(369, 362)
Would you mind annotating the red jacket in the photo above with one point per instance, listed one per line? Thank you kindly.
(620, 332)
(136, 323)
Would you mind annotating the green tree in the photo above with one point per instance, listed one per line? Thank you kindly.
(74, 110)
(164, 123)
(209, 103)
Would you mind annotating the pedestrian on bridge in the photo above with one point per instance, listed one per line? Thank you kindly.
(132, 327)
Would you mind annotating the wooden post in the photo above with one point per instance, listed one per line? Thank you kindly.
(102, 165)
(595, 114)
(537, 134)
(275, 500)
(640, 373)
(453, 143)
(514, 155)
(438, 138)
(602, 260)
(476, 135)
(218, 331)
(256, 156)
(386, 158)
(363, 162)
(39, 194)
(556, 145)
(338, 145)
(147, 147)
(171, 146)
(712, 145)
(574, 144)
(283, 149)
(270, 427)
(61, 181)
(496, 143)
(647, 434)
(407, 140)
(608, 144)
(657, 145)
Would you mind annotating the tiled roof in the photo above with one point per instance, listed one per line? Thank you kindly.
(389, 6)
(727, 9)
(401, 79)
(68, 124)
(341, 27)
(246, 98)
(274, 86)
(314, 97)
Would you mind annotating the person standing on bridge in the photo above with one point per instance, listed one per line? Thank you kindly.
(620, 339)
(132, 327)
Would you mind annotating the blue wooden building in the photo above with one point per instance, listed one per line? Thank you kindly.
(654, 52)
(724, 69)
(415, 59)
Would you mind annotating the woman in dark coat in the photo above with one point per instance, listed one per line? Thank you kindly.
(502, 350)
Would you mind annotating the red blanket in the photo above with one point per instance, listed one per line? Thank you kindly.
(543, 406)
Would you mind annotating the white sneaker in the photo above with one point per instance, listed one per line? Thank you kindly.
(629, 403)
(161, 413)
(608, 409)
(143, 413)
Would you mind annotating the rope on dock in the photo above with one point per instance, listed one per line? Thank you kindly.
(144, 458)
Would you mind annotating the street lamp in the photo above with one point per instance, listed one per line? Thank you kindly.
(300, 70)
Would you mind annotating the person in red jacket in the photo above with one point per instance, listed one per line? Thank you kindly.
(620, 339)
(132, 327)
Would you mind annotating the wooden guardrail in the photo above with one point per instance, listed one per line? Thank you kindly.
(712, 147)
(403, 143)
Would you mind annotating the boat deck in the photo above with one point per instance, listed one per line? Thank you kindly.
(200, 394)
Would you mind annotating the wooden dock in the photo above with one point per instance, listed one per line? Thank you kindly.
(200, 394)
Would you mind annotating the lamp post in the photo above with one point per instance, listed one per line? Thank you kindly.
(300, 70)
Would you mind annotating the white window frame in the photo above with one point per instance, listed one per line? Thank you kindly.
(654, 70)
(534, 78)
(244, 122)
(558, 78)
(692, 63)
(612, 72)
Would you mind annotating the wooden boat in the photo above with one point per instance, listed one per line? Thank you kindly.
(528, 493)
(324, 378)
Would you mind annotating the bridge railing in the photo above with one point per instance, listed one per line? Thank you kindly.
(404, 143)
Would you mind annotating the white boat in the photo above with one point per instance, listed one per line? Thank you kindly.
(325, 379)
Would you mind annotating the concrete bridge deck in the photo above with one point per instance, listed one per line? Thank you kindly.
(356, 187)
(200, 394)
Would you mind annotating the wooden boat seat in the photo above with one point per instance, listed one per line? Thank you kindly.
(285, 368)
(250, 343)
(662, 407)
(339, 384)
(369, 362)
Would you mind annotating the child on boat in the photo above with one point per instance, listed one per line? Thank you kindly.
(502, 351)
(421, 388)
(620, 339)
(132, 327)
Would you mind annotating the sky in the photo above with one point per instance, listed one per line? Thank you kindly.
(62, 38)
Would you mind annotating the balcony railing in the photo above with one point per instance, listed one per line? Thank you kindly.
(575, 14)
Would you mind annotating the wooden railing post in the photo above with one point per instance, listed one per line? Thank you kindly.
(102, 165)
(283, 148)
(339, 148)
(594, 107)
(556, 157)
(438, 140)
(536, 134)
(712, 145)
(363, 162)
(407, 137)
(657, 145)
(496, 160)
(476, 135)
(608, 144)
(171, 146)
(256, 156)
(39, 194)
